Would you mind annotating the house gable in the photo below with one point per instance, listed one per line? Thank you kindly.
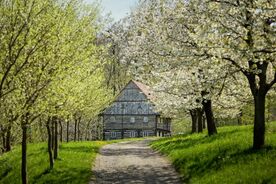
(131, 93)
(131, 100)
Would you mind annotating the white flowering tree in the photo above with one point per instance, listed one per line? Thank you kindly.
(214, 35)
(243, 34)
(163, 50)
(116, 72)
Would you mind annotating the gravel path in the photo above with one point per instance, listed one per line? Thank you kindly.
(132, 162)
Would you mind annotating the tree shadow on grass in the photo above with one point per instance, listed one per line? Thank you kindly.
(70, 175)
(199, 166)
(5, 168)
(251, 151)
(204, 161)
(83, 149)
(187, 142)
(46, 171)
(221, 158)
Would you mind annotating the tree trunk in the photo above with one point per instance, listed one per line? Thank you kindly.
(56, 138)
(75, 132)
(240, 119)
(199, 120)
(79, 129)
(86, 131)
(203, 121)
(211, 126)
(24, 128)
(259, 121)
(51, 160)
(194, 120)
(67, 131)
(41, 130)
(60, 131)
(8, 139)
(53, 132)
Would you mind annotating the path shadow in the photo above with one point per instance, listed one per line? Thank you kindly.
(136, 175)
(141, 149)
(146, 170)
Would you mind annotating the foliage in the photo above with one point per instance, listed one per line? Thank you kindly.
(222, 55)
(180, 126)
(117, 73)
(50, 63)
(224, 158)
(156, 40)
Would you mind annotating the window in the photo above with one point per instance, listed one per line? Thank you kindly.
(146, 119)
(113, 134)
(139, 109)
(132, 134)
(145, 133)
(112, 119)
(132, 119)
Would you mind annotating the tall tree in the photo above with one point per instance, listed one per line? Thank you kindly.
(242, 33)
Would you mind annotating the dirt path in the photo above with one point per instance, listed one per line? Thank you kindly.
(132, 162)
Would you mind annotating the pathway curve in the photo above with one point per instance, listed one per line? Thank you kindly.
(132, 162)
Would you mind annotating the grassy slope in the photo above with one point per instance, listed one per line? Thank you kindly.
(224, 158)
(74, 165)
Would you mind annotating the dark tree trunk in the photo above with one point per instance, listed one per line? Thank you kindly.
(211, 126)
(240, 119)
(199, 119)
(41, 132)
(86, 131)
(203, 121)
(8, 139)
(53, 132)
(60, 131)
(194, 120)
(56, 138)
(259, 90)
(24, 127)
(51, 160)
(259, 122)
(67, 131)
(75, 132)
(79, 129)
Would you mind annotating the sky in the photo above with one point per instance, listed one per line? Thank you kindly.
(118, 8)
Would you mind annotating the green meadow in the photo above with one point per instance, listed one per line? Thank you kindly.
(224, 158)
(73, 166)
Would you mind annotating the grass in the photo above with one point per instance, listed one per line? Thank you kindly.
(224, 158)
(73, 166)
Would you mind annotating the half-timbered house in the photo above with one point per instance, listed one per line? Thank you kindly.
(132, 114)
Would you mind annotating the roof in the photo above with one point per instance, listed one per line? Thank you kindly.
(142, 87)
(145, 89)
